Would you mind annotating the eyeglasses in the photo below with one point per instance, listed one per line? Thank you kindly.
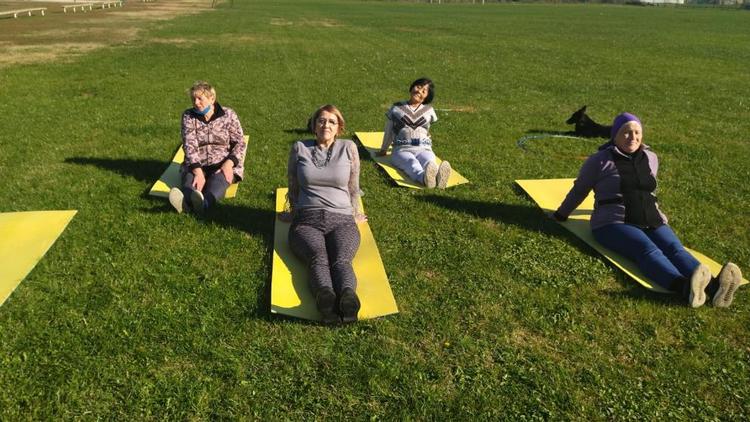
(322, 122)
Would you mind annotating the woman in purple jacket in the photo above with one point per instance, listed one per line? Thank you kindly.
(627, 219)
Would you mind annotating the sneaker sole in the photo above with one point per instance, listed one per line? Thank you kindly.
(443, 174)
(729, 280)
(698, 282)
(176, 198)
(430, 174)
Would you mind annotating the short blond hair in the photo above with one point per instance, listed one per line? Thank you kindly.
(331, 109)
(202, 88)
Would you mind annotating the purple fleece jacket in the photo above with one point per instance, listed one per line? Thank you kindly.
(599, 173)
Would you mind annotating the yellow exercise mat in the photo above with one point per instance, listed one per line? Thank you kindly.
(290, 291)
(549, 194)
(171, 177)
(372, 142)
(24, 239)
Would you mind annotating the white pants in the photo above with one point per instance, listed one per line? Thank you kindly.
(413, 162)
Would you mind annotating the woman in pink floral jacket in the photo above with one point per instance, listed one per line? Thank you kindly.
(214, 146)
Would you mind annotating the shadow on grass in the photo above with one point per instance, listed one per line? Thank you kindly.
(523, 216)
(254, 222)
(531, 218)
(638, 292)
(364, 153)
(142, 170)
(298, 131)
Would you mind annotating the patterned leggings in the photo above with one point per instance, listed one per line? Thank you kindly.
(327, 242)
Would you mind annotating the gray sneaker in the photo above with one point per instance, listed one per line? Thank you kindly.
(443, 174)
(177, 199)
(730, 278)
(430, 175)
(698, 282)
(198, 202)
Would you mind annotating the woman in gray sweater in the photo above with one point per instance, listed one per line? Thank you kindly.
(324, 209)
(627, 218)
(407, 127)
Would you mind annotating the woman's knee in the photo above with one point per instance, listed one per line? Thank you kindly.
(306, 243)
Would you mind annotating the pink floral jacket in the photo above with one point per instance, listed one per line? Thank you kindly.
(209, 144)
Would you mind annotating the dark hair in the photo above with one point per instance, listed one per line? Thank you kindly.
(425, 81)
(331, 109)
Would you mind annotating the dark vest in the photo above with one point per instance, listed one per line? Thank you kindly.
(637, 185)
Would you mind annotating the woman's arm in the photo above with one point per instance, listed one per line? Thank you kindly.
(190, 142)
(587, 178)
(353, 185)
(293, 191)
(237, 146)
(387, 137)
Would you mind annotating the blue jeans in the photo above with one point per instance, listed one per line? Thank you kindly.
(658, 252)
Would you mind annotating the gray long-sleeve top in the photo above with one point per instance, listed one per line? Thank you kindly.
(324, 178)
(600, 173)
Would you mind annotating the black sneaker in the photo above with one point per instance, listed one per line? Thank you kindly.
(325, 300)
(349, 305)
(198, 202)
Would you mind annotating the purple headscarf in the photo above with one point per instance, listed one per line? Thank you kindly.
(619, 121)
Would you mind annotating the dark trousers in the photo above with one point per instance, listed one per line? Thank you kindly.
(214, 189)
(657, 252)
(327, 242)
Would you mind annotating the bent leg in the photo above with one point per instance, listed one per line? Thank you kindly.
(215, 188)
(187, 183)
(665, 238)
(407, 162)
(632, 243)
(342, 243)
(425, 157)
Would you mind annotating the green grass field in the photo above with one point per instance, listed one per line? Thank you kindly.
(139, 313)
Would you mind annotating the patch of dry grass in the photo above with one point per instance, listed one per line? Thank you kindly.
(26, 54)
(62, 36)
